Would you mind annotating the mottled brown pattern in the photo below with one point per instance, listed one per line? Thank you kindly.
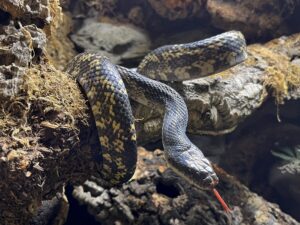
(196, 59)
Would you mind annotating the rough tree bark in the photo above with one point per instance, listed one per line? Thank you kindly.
(43, 115)
(158, 196)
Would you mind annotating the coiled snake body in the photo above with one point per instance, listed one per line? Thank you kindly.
(106, 85)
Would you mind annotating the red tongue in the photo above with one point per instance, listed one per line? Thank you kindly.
(220, 199)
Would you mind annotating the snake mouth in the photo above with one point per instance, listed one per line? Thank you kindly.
(208, 183)
(205, 180)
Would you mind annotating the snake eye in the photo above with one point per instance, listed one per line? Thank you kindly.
(194, 168)
(211, 181)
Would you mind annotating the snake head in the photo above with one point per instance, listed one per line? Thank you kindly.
(193, 167)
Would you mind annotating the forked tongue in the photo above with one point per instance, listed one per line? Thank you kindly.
(222, 202)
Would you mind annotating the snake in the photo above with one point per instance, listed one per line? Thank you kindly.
(108, 89)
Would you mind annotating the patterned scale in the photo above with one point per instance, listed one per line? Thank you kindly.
(104, 86)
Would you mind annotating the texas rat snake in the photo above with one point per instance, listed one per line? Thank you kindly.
(108, 86)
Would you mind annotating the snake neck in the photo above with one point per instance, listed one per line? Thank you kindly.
(186, 159)
(181, 154)
(157, 95)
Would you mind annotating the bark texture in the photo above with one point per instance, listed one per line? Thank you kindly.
(256, 19)
(158, 196)
(43, 115)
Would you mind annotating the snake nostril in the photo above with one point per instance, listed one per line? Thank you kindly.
(167, 188)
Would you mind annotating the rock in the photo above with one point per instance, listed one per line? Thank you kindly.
(10, 81)
(253, 18)
(119, 42)
(256, 19)
(59, 47)
(91, 8)
(178, 9)
(19, 45)
(19, 48)
(40, 12)
(37, 9)
(136, 16)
